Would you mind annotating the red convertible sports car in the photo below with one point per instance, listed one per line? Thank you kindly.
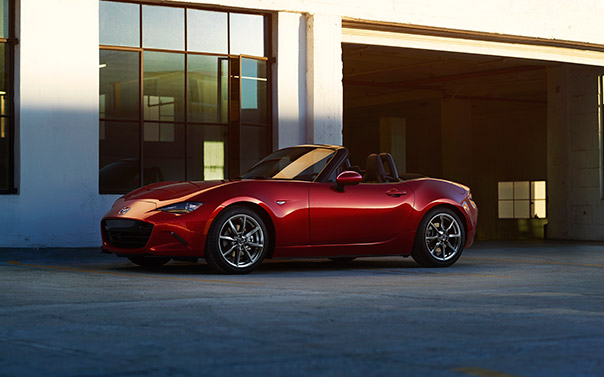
(303, 201)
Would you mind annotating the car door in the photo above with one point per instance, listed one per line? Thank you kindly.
(360, 214)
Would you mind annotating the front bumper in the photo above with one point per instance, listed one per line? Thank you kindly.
(144, 230)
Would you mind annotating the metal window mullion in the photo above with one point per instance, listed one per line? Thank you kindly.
(186, 99)
(141, 121)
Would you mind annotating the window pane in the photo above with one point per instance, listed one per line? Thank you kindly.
(119, 84)
(4, 81)
(506, 209)
(207, 31)
(521, 209)
(4, 18)
(538, 190)
(506, 190)
(253, 91)
(207, 152)
(208, 88)
(247, 34)
(254, 146)
(521, 190)
(119, 24)
(4, 154)
(163, 27)
(119, 157)
(164, 156)
(164, 86)
(538, 209)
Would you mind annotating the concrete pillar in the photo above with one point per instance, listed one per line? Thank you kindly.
(290, 78)
(558, 153)
(456, 123)
(575, 209)
(324, 79)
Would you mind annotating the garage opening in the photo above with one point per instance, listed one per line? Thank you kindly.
(475, 119)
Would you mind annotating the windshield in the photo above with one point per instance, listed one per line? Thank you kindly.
(302, 163)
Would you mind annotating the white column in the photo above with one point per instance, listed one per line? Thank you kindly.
(57, 103)
(290, 74)
(324, 79)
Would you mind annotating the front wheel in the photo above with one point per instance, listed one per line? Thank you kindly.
(237, 242)
(440, 238)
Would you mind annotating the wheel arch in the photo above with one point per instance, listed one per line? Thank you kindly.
(450, 206)
(257, 207)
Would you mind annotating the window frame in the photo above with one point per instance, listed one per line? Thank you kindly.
(232, 126)
(531, 200)
(10, 42)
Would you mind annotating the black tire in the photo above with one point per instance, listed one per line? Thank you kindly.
(342, 259)
(145, 261)
(237, 242)
(440, 238)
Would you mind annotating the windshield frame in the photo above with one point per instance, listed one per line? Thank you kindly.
(339, 154)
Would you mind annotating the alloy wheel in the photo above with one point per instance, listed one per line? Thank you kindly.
(241, 241)
(443, 237)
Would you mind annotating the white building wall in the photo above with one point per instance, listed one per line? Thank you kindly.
(325, 96)
(57, 84)
(289, 97)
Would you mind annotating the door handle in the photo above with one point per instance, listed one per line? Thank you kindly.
(395, 193)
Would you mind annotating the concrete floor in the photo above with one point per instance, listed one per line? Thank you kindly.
(505, 309)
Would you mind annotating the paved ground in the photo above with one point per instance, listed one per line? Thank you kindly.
(505, 309)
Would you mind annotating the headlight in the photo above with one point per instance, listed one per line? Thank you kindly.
(182, 207)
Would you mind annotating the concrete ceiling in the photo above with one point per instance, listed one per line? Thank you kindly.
(377, 75)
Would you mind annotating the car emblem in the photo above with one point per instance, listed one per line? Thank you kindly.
(124, 210)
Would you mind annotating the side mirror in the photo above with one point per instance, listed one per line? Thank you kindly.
(347, 178)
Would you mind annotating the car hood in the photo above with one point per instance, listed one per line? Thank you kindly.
(163, 191)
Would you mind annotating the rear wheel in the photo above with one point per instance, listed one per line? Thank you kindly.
(237, 242)
(145, 261)
(440, 238)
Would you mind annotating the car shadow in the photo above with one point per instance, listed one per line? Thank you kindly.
(283, 266)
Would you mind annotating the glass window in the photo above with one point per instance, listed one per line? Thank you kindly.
(119, 24)
(208, 88)
(119, 84)
(207, 31)
(254, 146)
(506, 190)
(193, 101)
(253, 91)
(5, 138)
(6, 93)
(119, 157)
(247, 34)
(538, 199)
(522, 199)
(163, 27)
(207, 154)
(165, 154)
(164, 86)
(4, 16)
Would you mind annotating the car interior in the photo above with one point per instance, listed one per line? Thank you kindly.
(379, 168)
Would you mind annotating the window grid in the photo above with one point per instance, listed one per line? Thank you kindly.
(522, 199)
(232, 125)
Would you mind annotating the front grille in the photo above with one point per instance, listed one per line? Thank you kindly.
(127, 234)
